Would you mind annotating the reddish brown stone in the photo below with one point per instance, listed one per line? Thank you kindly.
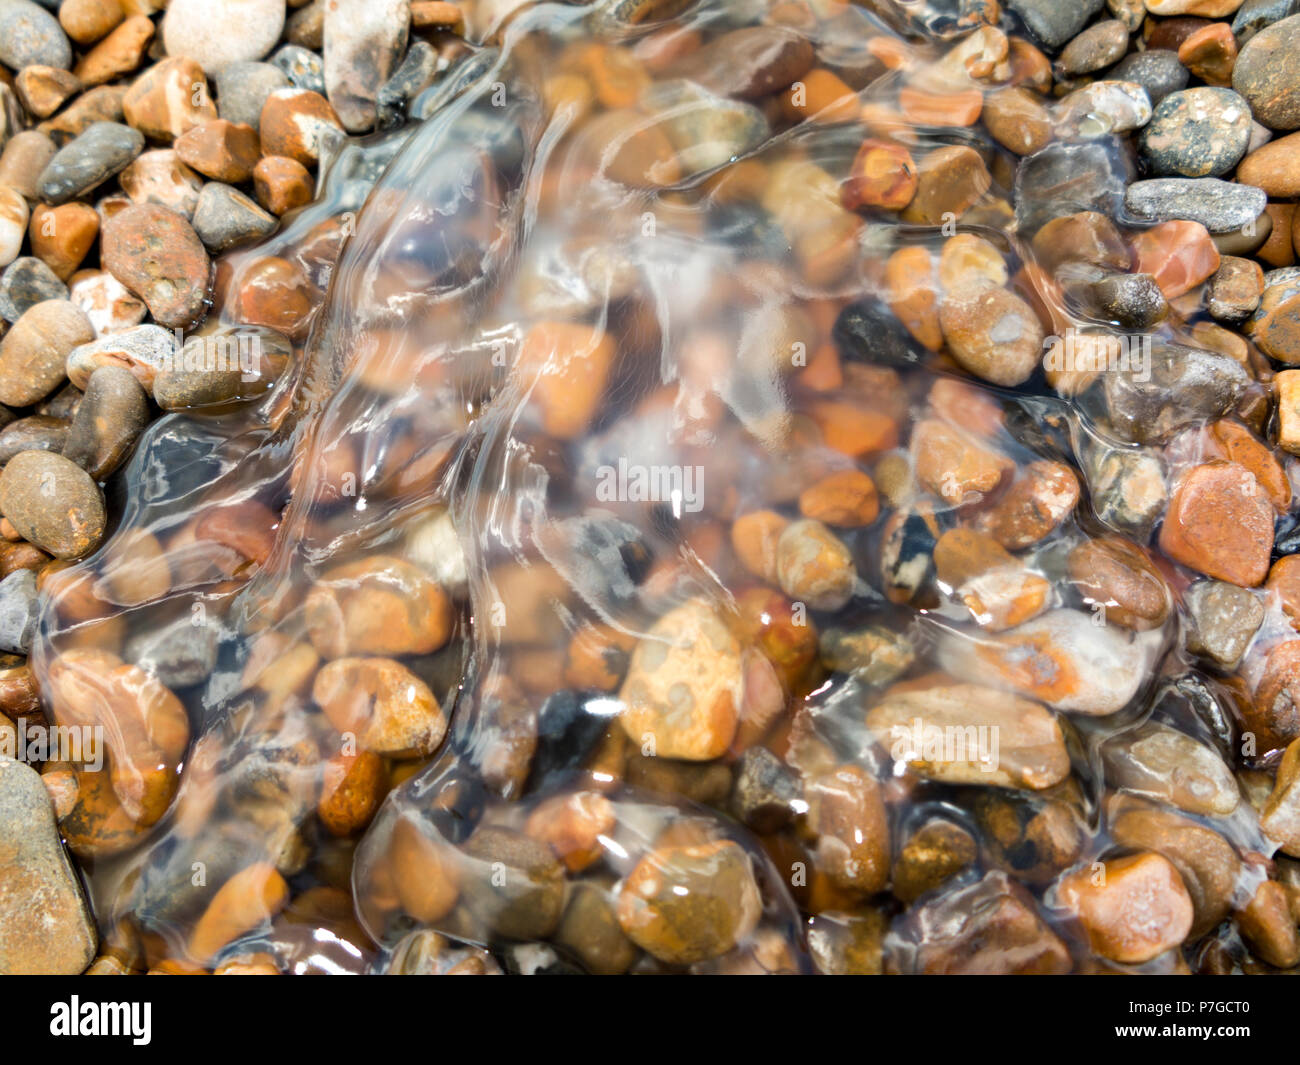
(1220, 523)
(168, 99)
(157, 255)
(295, 123)
(62, 236)
(282, 184)
(221, 150)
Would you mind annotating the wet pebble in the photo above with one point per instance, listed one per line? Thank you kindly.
(1137, 911)
(225, 218)
(103, 150)
(1267, 73)
(364, 40)
(1100, 45)
(156, 254)
(18, 607)
(53, 503)
(25, 283)
(303, 69)
(1201, 132)
(1219, 206)
(45, 922)
(1157, 70)
(1055, 21)
(1220, 523)
(111, 416)
(34, 353)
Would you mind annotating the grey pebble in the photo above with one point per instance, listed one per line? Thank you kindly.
(25, 283)
(103, 150)
(1218, 205)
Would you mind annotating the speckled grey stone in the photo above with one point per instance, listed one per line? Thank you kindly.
(1201, 132)
(1218, 205)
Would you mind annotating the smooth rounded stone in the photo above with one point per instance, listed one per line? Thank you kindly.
(298, 124)
(43, 90)
(364, 41)
(37, 432)
(31, 36)
(46, 926)
(708, 131)
(1100, 45)
(1180, 387)
(282, 184)
(63, 236)
(1067, 178)
(156, 254)
(1223, 619)
(1233, 292)
(160, 177)
(1162, 763)
(226, 218)
(688, 903)
(103, 150)
(1254, 15)
(1219, 206)
(1018, 120)
(1006, 741)
(53, 503)
(748, 63)
(875, 655)
(1135, 912)
(106, 302)
(1267, 74)
(765, 791)
(1053, 22)
(389, 709)
(1220, 523)
(25, 157)
(88, 21)
(814, 566)
(1280, 818)
(242, 90)
(1061, 658)
(1157, 70)
(25, 283)
(1128, 490)
(142, 349)
(1201, 132)
(1118, 579)
(342, 611)
(110, 418)
(216, 33)
(949, 181)
(512, 885)
(682, 692)
(868, 331)
(992, 332)
(1130, 300)
(34, 353)
(223, 366)
(303, 69)
(935, 853)
(589, 931)
(1104, 107)
(846, 814)
(18, 611)
(989, 927)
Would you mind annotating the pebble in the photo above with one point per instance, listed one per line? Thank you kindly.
(1274, 714)
(298, 124)
(1269, 926)
(1104, 107)
(282, 184)
(1060, 658)
(1201, 132)
(683, 690)
(25, 283)
(1120, 577)
(87, 21)
(1043, 495)
(814, 566)
(100, 104)
(63, 236)
(109, 419)
(590, 931)
(43, 90)
(935, 853)
(949, 181)
(82, 165)
(1217, 205)
(1158, 71)
(180, 654)
(225, 218)
(243, 904)
(106, 301)
(748, 63)
(1097, 47)
(1220, 523)
(1029, 749)
(220, 150)
(342, 611)
(883, 176)
(953, 466)
(142, 349)
(1234, 290)
(156, 254)
(389, 709)
(202, 30)
(13, 223)
(685, 904)
(159, 177)
(34, 353)
(1280, 818)
(364, 41)
(846, 812)
(46, 927)
(512, 885)
(997, 589)
(1053, 22)
(1163, 763)
(417, 72)
(304, 69)
(1272, 167)
(986, 928)
(1223, 620)
(1017, 119)
(765, 791)
(1287, 384)
(1267, 74)
(30, 35)
(1128, 490)
(18, 610)
(53, 504)
(1138, 911)
(992, 332)
(1210, 54)
(117, 54)
(25, 157)
(242, 90)
(1179, 387)
(1131, 300)
(37, 432)
(1068, 178)
(168, 99)
(1178, 254)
